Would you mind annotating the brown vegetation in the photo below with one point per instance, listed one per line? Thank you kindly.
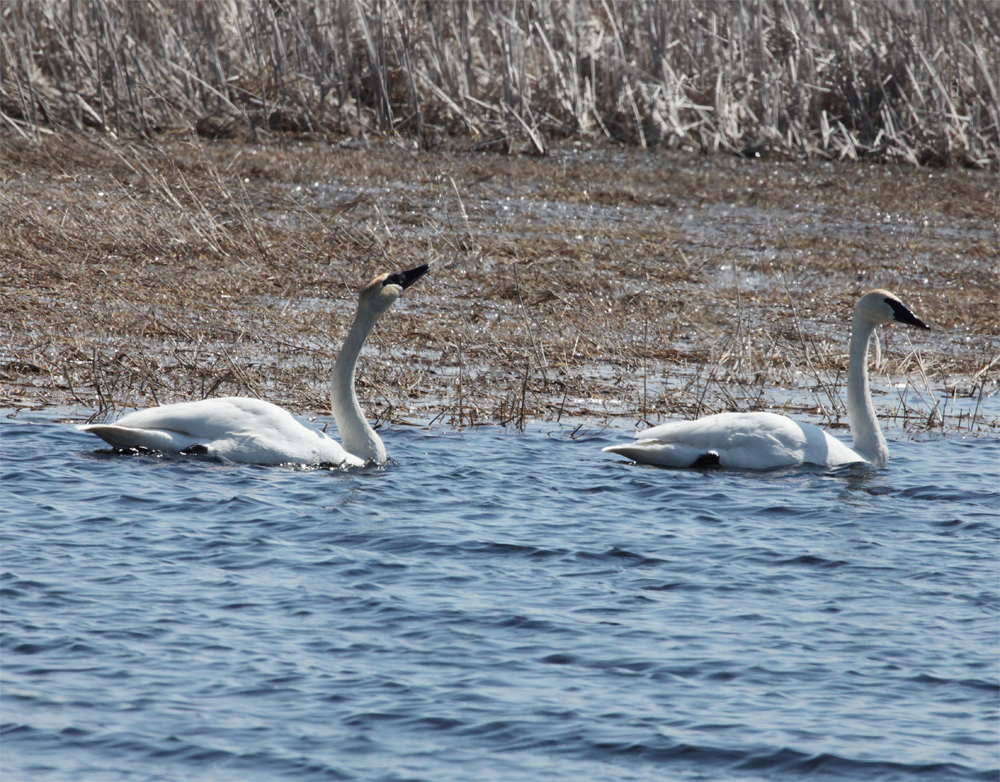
(593, 282)
(894, 80)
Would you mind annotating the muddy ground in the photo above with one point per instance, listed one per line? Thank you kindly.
(598, 282)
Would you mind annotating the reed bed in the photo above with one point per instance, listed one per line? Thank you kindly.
(894, 80)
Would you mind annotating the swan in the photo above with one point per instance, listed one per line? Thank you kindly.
(251, 431)
(762, 441)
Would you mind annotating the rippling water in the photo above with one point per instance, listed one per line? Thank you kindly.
(496, 606)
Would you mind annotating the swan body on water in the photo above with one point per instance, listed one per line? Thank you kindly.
(252, 431)
(762, 441)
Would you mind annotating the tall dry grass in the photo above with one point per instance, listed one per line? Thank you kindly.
(145, 272)
(895, 79)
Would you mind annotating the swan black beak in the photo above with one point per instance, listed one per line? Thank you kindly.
(903, 315)
(405, 279)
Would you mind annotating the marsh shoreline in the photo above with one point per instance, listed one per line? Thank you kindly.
(598, 281)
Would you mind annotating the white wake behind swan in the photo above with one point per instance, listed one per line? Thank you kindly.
(762, 441)
(252, 431)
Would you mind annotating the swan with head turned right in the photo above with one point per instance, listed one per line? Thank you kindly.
(761, 441)
(253, 431)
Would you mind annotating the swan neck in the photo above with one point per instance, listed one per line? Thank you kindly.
(356, 434)
(868, 439)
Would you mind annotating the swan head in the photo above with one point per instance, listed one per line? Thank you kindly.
(381, 293)
(880, 308)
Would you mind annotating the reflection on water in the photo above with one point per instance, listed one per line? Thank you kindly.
(496, 605)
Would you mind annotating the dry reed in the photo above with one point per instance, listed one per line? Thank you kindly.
(895, 80)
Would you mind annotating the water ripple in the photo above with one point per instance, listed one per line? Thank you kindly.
(496, 606)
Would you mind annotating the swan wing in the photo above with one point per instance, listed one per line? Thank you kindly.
(239, 429)
(209, 419)
(128, 437)
(755, 441)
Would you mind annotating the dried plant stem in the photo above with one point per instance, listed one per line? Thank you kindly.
(888, 79)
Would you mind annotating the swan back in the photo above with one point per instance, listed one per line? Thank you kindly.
(749, 441)
(239, 429)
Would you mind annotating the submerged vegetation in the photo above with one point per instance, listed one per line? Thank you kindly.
(191, 193)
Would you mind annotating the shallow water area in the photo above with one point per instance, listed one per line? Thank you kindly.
(496, 605)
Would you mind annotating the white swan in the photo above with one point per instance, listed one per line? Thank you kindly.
(761, 441)
(252, 431)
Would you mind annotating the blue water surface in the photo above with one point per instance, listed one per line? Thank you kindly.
(495, 605)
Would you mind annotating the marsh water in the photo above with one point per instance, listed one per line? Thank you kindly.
(496, 605)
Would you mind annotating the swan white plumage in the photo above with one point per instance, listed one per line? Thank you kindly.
(252, 431)
(761, 441)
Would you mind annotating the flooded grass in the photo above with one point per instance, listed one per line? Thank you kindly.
(598, 282)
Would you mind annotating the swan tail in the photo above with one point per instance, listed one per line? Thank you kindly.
(665, 454)
(125, 437)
